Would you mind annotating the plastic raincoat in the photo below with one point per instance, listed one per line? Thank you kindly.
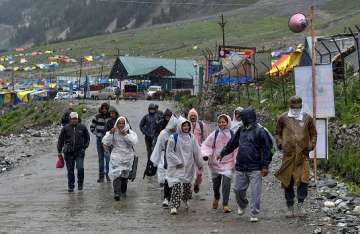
(122, 154)
(157, 156)
(227, 164)
(186, 152)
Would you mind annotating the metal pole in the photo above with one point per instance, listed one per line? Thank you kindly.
(222, 24)
(313, 76)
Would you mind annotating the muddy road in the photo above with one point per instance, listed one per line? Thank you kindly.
(34, 199)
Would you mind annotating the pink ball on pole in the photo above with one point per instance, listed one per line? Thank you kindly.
(298, 23)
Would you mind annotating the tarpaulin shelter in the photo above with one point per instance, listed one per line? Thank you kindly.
(24, 96)
(285, 64)
(225, 80)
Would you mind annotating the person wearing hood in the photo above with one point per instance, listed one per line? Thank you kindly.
(122, 141)
(183, 157)
(73, 141)
(158, 157)
(236, 123)
(200, 131)
(98, 128)
(164, 120)
(296, 136)
(221, 171)
(148, 128)
(252, 161)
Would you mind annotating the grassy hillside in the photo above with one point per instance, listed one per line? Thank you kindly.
(260, 26)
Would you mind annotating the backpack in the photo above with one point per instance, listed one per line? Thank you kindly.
(273, 146)
(216, 135)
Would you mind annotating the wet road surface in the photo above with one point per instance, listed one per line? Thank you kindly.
(34, 199)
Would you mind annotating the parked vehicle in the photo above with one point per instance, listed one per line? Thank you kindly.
(65, 95)
(154, 92)
(107, 93)
(130, 91)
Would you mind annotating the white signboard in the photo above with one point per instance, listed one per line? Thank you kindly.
(322, 140)
(325, 106)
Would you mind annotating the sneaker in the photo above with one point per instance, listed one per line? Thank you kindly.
(196, 188)
(186, 204)
(241, 211)
(215, 204)
(80, 187)
(100, 180)
(173, 211)
(301, 212)
(70, 190)
(165, 203)
(117, 197)
(108, 178)
(227, 209)
(290, 212)
(254, 219)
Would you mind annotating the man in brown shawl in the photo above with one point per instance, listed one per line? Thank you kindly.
(296, 136)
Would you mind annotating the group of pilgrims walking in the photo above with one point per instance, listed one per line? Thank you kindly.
(238, 154)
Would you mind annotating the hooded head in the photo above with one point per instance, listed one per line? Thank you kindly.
(248, 117)
(193, 116)
(167, 115)
(152, 108)
(237, 114)
(104, 108)
(172, 124)
(223, 121)
(122, 124)
(114, 114)
(182, 121)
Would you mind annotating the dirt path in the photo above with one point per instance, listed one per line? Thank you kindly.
(34, 199)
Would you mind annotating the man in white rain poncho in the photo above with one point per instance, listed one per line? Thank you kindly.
(158, 157)
(122, 142)
(183, 157)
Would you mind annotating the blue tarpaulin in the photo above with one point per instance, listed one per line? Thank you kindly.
(233, 80)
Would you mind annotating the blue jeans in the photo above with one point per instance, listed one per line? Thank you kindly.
(72, 159)
(104, 158)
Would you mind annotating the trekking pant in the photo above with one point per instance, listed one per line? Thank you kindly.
(149, 145)
(177, 196)
(104, 158)
(242, 182)
(167, 191)
(72, 159)
(120, 185)
(302, 191)
(226, 186)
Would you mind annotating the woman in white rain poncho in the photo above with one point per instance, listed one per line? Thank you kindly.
(158, 157)
(183, 157)
(122, 142)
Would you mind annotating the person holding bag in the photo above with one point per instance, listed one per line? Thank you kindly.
(122, 158)
(73, 140)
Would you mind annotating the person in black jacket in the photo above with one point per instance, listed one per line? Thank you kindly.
(66, 117)
(98, 128)
(164, 120)
(73, 140)
(252, 161)
(148, 128)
